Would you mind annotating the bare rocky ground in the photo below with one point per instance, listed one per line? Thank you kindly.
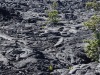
(29, 46)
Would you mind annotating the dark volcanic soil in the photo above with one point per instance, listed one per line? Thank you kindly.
(29, 46)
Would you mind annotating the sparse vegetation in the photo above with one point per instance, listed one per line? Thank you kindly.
(50, 68)
(53, 14)
(70, 67)
(54, 5)
(93, 48)
(93, 5)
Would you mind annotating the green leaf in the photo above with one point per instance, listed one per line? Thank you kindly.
(50, 67)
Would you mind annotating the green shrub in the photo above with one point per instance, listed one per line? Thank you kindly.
(93, 5)
(92, 50)
(54, 5)
(50, 68)
(53, 16)
(92, 22)
(70, 67)
(53, 13)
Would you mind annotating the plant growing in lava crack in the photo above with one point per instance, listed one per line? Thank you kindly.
(53, 14)
(50, 68)
(94, 5)
(93, 48)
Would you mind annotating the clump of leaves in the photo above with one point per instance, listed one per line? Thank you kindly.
(50, 68)
(53, 16)
(54, 5)
(92, 50)
(93, 5)
(92, 22)
(70, 68)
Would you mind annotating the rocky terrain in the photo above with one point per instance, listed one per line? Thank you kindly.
(30, 46)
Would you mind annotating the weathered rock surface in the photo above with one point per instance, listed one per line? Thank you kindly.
(29, 46)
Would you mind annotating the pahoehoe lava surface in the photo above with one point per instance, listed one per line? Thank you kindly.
(29, 47)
